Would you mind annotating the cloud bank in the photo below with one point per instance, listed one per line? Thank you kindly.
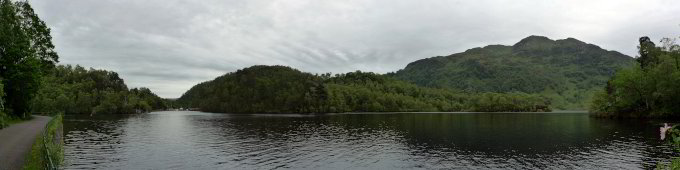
(171, 45)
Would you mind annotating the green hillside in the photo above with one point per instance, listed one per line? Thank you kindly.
(281, 89)
(567, 71)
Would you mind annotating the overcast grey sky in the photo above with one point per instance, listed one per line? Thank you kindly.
(171, 45)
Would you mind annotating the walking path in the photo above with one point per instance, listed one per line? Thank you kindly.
(16, 141)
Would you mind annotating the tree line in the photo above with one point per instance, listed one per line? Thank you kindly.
(76, 90)
(649, 88)
(281, 89)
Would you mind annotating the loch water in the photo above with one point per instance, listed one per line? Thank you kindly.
(198, 140)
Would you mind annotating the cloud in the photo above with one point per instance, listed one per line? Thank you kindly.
(171, 45)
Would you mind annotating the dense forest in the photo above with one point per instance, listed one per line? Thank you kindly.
(75, 90)
(567, 71)
(281, 89)
(650, 88)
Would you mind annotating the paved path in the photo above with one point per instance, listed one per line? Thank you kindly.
(16, 141)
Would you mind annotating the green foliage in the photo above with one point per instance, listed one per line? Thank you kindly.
(567, 71)
(357, 91)
(257, 89)
(370, 92)
(650, 88)
(280, 89)
(515, 101)
(674, 164)
(26, 53)
(75, 90)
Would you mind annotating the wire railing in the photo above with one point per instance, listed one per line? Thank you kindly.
(47, 139)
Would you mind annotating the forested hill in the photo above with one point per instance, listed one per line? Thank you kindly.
(76, 90)
(281, 89)
(568, 71)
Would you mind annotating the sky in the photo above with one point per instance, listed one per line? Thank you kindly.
(171, 45)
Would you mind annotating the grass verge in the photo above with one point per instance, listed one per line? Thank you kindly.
(48, 146)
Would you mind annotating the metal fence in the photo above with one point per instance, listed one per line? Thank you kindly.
(49, 163)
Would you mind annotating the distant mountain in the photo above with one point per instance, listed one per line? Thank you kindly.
(567, 71)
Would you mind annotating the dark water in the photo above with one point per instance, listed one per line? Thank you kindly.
(196, 140)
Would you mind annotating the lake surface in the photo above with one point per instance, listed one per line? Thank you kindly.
(197, 140)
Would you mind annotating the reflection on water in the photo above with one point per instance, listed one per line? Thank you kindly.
(197, 140)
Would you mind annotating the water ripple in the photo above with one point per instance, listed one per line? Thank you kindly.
(196, 140)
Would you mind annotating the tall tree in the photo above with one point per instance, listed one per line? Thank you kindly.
(647, 51)
(648, 89)
(39, 35)
(26, 51)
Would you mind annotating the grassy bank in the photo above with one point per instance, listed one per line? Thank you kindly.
(48, 151)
